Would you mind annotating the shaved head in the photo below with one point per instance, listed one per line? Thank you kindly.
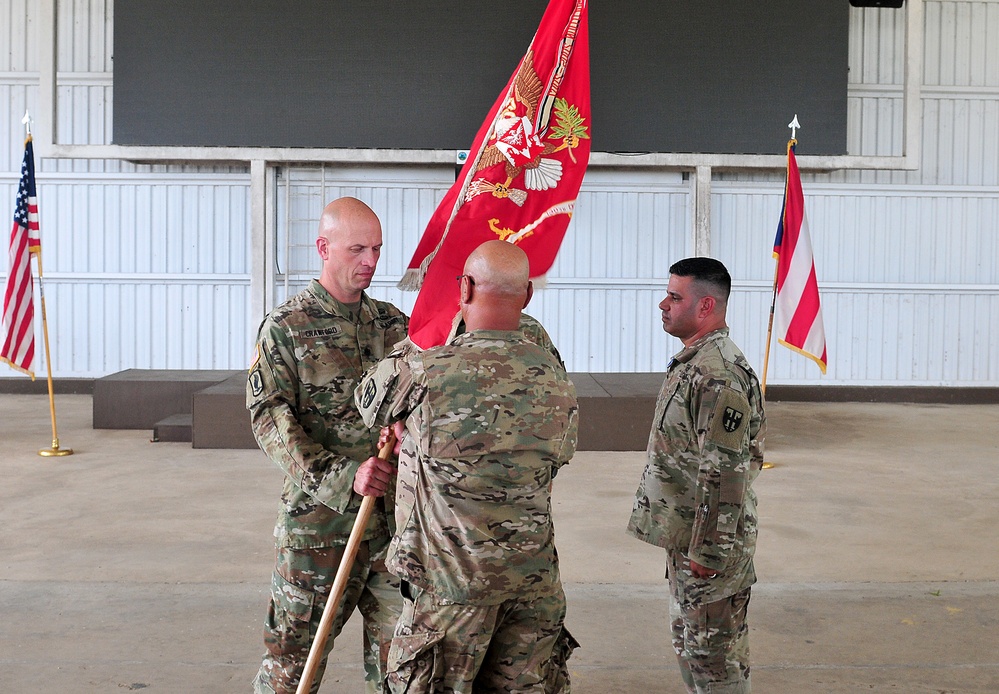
(499, 267)
(496, 286)
(342, 214)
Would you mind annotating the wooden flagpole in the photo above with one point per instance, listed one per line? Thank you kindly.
(794, 125)
(770, 332)
(340, 582)
(55, 451)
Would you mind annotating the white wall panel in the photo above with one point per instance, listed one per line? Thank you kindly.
(600, 302)
(907, 277)
(99, 325)
(404, 199)
(143, 272)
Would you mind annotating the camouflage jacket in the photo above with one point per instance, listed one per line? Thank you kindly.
(300, 394)
(706, 448)
(531, 328)
(491, 418)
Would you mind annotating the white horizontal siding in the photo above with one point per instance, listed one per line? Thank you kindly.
(600, 300)
(143, 271)
(898, 268)
(104, 325)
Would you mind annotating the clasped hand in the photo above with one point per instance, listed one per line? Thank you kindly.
(375, 475)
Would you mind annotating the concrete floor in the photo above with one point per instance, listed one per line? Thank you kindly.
(133, 565)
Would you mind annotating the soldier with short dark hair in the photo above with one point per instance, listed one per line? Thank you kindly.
(311, 352)
(485, 422)
(695, 498)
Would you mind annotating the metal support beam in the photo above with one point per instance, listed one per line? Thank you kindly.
(44, 130)
(912, 112)
(260, 250)
(702, 211)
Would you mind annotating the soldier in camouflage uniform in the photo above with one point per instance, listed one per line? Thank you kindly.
(532, 329)
(695, 498)
(490, 418)
(311, 353)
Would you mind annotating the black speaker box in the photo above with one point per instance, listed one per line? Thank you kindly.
(877, 3)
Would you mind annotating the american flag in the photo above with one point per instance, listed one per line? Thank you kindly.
(798, 313)
(18, 301)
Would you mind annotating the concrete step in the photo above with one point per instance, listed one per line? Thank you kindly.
(615, 410)
(176, 427)
(219, 415)
(138, 398)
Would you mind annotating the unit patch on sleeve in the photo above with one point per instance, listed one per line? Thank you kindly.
(729, 420)
(256, 383)
(369, 394)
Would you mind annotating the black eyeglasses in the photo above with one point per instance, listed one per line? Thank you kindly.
(471, 280)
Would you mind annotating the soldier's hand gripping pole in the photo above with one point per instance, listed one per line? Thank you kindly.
(340, 582)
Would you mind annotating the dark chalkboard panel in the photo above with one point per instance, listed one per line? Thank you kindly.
(717, 76)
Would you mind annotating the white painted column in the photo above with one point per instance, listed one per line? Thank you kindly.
(913, 111)
(702, 211)
(259, 249)
(43, 130)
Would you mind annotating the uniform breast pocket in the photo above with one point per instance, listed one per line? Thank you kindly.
(672, 412)
(328, 376)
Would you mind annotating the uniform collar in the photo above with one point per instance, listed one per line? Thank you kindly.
(687, 353)
(331, 305)
(506, 335)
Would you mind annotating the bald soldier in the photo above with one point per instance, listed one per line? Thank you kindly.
(311, 351)
(485, 422)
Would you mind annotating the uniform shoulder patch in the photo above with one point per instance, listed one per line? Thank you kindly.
(730, 420)
(375, 387)
(369, 394)
(254, 378)
(256, 382)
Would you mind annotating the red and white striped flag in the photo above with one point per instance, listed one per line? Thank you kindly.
(797, 314)
(523, 174)
(19, 299)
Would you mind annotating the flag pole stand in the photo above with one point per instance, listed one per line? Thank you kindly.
(55, 451)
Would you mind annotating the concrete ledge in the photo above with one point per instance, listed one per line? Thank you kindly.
(943, 395)
(219, 418)
(138, 398)
(615, 409)
(22, 385)
(176, 427)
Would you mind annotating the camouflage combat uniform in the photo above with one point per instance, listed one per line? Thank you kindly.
(491, 418)
(311, 353)
(531, 328)
(696, 500)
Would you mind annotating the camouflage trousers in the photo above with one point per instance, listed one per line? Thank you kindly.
(301, 582)
(711, 640)
(442, 647)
